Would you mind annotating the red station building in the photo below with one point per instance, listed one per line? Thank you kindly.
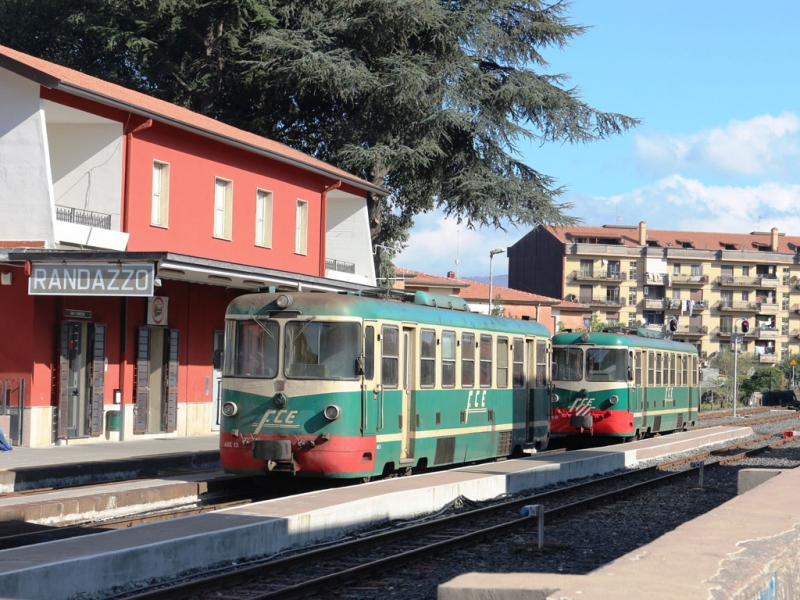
(128, 225)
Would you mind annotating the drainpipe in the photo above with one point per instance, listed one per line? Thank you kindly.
(123, 350)
(323, 225)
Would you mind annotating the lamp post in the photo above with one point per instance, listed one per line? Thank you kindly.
(491, 260)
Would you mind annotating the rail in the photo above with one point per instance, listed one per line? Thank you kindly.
(68, 214)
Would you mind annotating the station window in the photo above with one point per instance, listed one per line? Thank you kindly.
(541, 363)
(467, 359)
(369, 353)
(448, 359)
(159, 209)
(518, 362)
(223, 208)
(301, 227)
(502, 362)
(390, 355)
(427, 356)
(263, 218)
(486, 361)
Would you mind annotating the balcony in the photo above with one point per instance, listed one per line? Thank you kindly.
(655, 304)
(727, 281)
(697, 306)
(656, 279)
(768, 281)
(680, 279)
(77, 216)
(341, 266)
(766, 333)
(599, 277)
(768, 359)
(736, 306)
(604, 302)
(691, 330)
(766, 308)
(726, 333)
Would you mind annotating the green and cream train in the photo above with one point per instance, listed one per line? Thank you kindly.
(623, 386)
(353, 386)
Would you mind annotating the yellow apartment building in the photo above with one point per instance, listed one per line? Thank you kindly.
(710, 282)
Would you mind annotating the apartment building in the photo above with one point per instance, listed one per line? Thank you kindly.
(709, 281)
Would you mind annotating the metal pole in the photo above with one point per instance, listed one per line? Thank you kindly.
(491, 260)
(735, 371)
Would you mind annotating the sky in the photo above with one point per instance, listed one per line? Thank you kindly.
(716, 84)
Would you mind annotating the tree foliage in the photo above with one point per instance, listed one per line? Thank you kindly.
(724, 362)
(431, 99)
(770, 378)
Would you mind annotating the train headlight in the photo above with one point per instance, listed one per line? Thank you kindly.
(554, 398)
(229, 409)
(283, 301)
(332, 412)
(613, 399)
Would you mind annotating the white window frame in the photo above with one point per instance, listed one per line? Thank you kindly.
(263, 218)
(223, 208)
(159, 206)
(301, 227)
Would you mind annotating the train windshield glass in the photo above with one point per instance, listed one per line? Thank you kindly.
(606, 364)
(255, 349)
(567, 364)
(320, 350)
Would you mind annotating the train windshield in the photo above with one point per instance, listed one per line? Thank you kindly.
(320, 350)
(606, 364)
(567, 364)
(255, 349)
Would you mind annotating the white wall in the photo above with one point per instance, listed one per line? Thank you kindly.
(26, 197)
(348, 236)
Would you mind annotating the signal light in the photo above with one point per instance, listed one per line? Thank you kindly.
(673, 324)
(745, 326)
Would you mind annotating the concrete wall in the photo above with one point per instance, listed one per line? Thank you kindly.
(26, 195)
(348, 236)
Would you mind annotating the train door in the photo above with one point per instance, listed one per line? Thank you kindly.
(371, 390)
(409, 385)
(638, 390)
(156, 380)
(537, 352)
(216, 383)
(81, 379)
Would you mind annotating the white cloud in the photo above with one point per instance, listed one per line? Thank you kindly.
(762, 146)
(436, 243)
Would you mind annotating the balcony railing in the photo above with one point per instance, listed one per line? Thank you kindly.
(341, 266)
(726, 333)
(766, 308)
(83, 217)
(686, 279)
(655, 304)
(692, 330)
(656, 279)
(616, 302)
(692, 305)
(736, 306)
(768, 281)
(591, 276)
(766, 333)
(728, 281)
(768, 358)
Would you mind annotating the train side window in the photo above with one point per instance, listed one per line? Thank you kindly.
(502, 362)
(678, 380)
(369, 353)
(694, 371)
(467, 360)
(650, 366)
(541, 363)
(518, 368)
(658, 368)
(448, 359)
(638, 370)
(390, 355)
(427, 358)
(486, 361)
(665, 366)
(672, 370)
(685, 370)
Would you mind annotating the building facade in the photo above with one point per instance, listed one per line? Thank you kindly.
(128, 225)
(710, 282)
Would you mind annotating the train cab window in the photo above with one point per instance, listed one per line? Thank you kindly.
(255, 345)
(567, 364)
(502, 362)
(427, 358)
(650, 369)
(448, 359)
(541, 364)
(518, 362)
(369, 353)
(467, 359)
(672, 370)
(486, 361)
(390, 355)
(322, 350)
(606, 364)
(658, 369)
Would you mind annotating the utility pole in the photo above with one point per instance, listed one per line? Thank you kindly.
(745, 327)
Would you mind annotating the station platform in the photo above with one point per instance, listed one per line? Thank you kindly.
(94, 563)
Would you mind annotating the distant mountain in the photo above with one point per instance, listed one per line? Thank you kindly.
(500, 280)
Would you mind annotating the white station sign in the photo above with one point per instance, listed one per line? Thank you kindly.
(91, 279)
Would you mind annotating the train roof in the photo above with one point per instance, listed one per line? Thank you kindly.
(419, 307)
(621, 339)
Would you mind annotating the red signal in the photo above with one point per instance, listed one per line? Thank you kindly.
(745, 326)
(673, 324)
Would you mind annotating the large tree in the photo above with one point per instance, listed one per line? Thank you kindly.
(431, 99)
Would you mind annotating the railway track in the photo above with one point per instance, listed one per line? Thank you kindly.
(361, 563)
